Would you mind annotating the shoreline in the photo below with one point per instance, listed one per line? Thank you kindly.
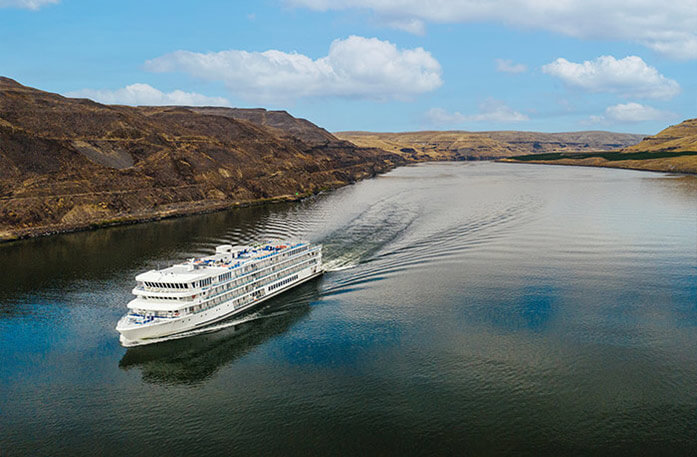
(585, 165)
(604, 165)
(133, 219)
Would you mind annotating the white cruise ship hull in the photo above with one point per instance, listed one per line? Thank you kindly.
(160, 329)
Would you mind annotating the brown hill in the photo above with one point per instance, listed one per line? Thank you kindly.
(282, 123)
(67, 164)
(681, 137)
(673, 149)
(460, 145)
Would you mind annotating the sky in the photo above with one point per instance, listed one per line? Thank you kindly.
(378, 65)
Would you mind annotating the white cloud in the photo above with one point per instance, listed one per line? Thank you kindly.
(629, 77)
(26, 4)
(633, 112)
(413, 26)
(439, 116)
(490, 110)
(144, 94)
(354, 67)
(507, 66)
(669, 28)
(497, 111)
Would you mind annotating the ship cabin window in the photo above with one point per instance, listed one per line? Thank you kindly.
(205, 282)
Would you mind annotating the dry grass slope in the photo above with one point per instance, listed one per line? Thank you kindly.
(673, 150)
(460, 145)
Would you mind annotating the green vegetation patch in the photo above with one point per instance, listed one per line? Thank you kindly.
(609, 156)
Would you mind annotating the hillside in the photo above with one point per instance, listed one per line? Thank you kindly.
(460, 145)
(673, 149)
(67, 164)
(681, 137)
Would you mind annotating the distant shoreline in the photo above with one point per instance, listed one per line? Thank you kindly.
(665, 162)
(563, 164)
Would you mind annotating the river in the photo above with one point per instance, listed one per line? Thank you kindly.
(470, 308)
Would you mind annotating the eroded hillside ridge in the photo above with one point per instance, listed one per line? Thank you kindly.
(680, 137)
(67, 164)
(461, 145)
(674, 150)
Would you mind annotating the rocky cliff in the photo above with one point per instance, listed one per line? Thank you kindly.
(67, 164)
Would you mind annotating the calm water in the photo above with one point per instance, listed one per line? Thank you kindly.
(471, 309)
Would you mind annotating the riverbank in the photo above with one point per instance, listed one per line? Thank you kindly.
(172, 211)
(661, 161)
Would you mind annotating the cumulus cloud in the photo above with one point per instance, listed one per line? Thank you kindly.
(507, 66)
(669, 28)
(633, 112)
(490, 110)
(144, 94)
(439, 116)
(630, 77)
(354, 67)
(26, 4)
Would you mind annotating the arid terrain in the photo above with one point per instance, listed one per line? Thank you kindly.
(460, 145)
(673, 149)
(68, 164)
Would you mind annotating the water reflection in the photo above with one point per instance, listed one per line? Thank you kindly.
(195, 359)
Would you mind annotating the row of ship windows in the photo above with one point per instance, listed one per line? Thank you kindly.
(296, 251)
(167, 285)
(225, 276)
(264, 263)
(184, 285)
(283, 283)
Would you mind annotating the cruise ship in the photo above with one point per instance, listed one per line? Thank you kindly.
(172, 302)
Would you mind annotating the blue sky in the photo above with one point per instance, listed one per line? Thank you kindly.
(388, 65)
